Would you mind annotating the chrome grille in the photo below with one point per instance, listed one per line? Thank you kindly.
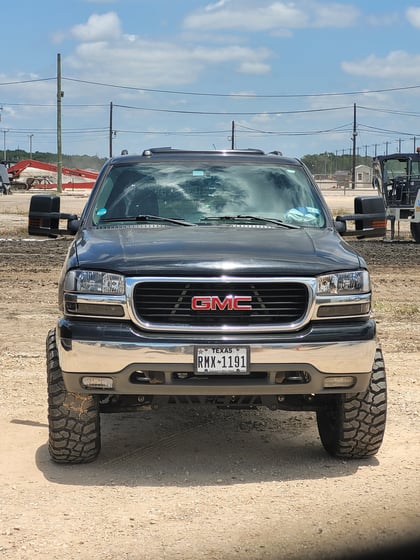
(169, 303)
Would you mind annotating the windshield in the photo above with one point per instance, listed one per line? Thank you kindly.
(206, 193)
(395, 168)
(402, 168)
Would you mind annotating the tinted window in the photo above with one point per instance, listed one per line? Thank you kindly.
(194, 193)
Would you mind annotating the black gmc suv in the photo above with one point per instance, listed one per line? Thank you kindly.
(210, 277)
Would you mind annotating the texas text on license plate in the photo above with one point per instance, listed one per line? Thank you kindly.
(221, 360)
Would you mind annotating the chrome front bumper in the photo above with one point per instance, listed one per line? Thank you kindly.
(120, 360)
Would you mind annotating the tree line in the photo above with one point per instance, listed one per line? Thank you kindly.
(326, 163)
(74, 161)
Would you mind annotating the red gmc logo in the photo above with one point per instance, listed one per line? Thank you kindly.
(214, 303)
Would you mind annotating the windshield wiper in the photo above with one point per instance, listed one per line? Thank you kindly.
(270, 221)
(148, 218)
(254, 218)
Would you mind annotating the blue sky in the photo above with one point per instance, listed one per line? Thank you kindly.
(179, 73)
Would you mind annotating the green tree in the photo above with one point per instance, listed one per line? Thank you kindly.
(74, 161)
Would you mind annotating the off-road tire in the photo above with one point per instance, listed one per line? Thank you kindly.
(73, 418)
(415, 231)
(352, 426)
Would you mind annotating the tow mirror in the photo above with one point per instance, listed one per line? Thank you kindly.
(45, 217)
(369, 218)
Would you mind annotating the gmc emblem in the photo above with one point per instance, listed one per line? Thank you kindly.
(214, 303)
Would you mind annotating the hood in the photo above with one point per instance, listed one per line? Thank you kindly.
(212, 251)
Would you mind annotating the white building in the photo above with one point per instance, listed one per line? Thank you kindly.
(363, 176)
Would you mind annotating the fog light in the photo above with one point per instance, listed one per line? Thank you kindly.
(339, 381)
(91, 382)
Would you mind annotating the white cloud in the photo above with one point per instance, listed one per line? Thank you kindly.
(383, 19)
(246, 18)
(272, 16)
(333, 15)
(250, 67)
(413, 16)
(397, 64)
(98, 28)
(166, 63)
(133, 60)
(58, 37)
(217, 5)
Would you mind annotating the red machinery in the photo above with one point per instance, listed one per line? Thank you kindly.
(29, 173)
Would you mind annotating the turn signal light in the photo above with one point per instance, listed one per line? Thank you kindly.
(339, 381)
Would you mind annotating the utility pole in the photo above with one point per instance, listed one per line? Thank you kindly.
(4, 139)
(60, 94)
(110, 129)
(353, 167)
(30, 145)
(5, 131)
(233, 136)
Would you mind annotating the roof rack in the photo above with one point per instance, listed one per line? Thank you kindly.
(168, 150)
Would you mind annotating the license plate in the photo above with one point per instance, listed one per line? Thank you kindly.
(219, 360)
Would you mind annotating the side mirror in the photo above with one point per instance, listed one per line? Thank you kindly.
(73, 225)
(340, 226)
(45, 217)
(369, 218)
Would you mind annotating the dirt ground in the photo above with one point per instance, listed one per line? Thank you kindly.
(193, 483)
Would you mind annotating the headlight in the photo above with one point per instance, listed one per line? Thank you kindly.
(343, 283)
(94, 282)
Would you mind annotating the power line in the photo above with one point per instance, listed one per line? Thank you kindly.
(215, 94)
(390, 111)
(27, 81)
(5, 103)
(229, 113)
(173, 132)
(342, 128)
(53, 130)
(373, 129)
(242, 95)
(245, 130)
(183, 111)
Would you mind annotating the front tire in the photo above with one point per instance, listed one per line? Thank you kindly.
(352, 426)
(73, 418)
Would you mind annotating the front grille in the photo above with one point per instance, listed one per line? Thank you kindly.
(169, 303)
